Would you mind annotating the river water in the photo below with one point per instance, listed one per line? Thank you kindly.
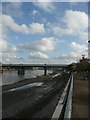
(9, 77)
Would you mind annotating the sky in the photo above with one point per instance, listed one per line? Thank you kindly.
(43, 32)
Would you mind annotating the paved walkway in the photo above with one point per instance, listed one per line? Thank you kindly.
(80, 97)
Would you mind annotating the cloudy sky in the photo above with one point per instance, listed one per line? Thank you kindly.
(43, 32)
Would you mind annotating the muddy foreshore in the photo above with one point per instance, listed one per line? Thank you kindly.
(25, 103)
(25, 82)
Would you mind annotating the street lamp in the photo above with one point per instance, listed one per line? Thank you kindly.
(83, 56)
(89, 49)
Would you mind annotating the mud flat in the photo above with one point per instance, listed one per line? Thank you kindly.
(25, 103)
(25, 82)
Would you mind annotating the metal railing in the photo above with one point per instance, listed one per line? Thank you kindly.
(64, 108)
(68, 109)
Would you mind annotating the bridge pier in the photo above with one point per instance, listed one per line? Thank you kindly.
(45, 70)
(21, 71)
(2, 70)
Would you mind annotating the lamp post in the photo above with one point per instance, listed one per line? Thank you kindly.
(89, 49)
(83, 56)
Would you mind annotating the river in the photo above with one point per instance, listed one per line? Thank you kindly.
(9, 77)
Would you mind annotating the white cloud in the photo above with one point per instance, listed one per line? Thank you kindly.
(9, 58)
(39, 55)
(34, 28)
(47, 6)
(75, 55)
(66, 58)
(6, 47)
(3, 32)
(45, 44)
(75, 23)
(76, 20)
(3, 45)
(37, 28)
(8, 52)
(78, 48)
(83, 35)
(61, 31)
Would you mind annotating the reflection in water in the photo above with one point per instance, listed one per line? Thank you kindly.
(9, 77)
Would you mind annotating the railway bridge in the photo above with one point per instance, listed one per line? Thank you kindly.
(22, 67)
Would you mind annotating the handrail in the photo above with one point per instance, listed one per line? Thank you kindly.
(68, 109)
(62, 102)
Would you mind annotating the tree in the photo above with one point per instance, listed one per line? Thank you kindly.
(72, 67)
(83, 65)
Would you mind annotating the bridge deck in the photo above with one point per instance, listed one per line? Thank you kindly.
(34, 65)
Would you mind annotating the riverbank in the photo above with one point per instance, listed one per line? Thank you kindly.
(10, 77)
(27, 102)
(26, 81)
